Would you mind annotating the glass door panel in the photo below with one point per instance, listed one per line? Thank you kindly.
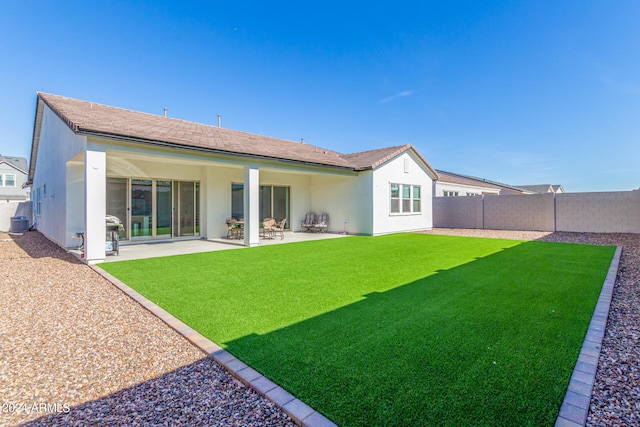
(164, 208)
(265, 202)
(117, 203)
(281, 204)
(197, 212)
(141, 208)
(187, 208)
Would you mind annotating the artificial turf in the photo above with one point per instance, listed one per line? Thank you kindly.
(404, 329)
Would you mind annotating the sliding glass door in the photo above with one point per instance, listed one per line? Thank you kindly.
(154, 208)
(187, 200)
(141, 208)
(164, 208)
(117, 202)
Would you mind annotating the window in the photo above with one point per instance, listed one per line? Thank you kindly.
(273, 202)
(450, 193)
(7, 180)
(405, 198)
(36, 201)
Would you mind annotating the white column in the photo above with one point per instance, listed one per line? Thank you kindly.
(251, 205)
(95, 208)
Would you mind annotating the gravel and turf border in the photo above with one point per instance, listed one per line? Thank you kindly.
(301, 413)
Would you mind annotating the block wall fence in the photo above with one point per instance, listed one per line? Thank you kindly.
(12, 208)
(601, 212)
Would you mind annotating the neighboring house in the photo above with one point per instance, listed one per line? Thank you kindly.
(13, 175)
(542, 188)
(451, 184)
(166, 178)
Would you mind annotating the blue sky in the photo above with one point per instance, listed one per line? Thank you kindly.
(522, 92)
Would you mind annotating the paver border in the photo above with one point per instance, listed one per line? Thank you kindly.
(301, 413)
(573, 411)
(575, 406)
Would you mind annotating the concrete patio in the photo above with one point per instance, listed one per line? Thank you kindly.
(160, 248)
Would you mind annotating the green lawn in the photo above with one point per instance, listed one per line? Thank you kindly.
(404, 329)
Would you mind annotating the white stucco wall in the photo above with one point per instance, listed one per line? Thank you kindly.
(57, 146)
(345, 198)
(394, 171)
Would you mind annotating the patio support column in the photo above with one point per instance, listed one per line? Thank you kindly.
(95, 199)
(251, 205)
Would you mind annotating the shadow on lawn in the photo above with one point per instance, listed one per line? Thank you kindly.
(485, 343)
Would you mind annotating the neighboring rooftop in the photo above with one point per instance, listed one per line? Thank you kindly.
(542, 188)
(17, 162)
(456, 178)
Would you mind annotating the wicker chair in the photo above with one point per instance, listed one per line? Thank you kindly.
(279, 228)
(267, 227)
(231, 225)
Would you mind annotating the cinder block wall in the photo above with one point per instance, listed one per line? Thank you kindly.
(607, 212)
(530, 212)
(610, 212)
(457, 212)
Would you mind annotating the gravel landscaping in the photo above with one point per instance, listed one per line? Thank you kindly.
(74, 350)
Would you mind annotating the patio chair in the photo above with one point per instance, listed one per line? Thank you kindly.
(279, 228)
(267, 227)
(322, 223)
(232, 228)
(309, 221)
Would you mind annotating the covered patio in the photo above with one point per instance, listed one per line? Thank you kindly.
(131, 251)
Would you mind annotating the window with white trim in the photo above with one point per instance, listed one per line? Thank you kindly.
(450, 193)
(405, 198)
(7, 180)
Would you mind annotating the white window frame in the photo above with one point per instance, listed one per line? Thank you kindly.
(3, 179)
(397, 205)
(447, 193)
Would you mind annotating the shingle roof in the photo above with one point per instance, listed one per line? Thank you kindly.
(374, 158)
(85, 117)
(16, 162)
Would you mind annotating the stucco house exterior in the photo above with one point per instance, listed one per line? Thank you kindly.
(13, 175)
(166, 178)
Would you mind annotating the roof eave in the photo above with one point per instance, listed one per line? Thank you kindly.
(35, 139)
(167, 144)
